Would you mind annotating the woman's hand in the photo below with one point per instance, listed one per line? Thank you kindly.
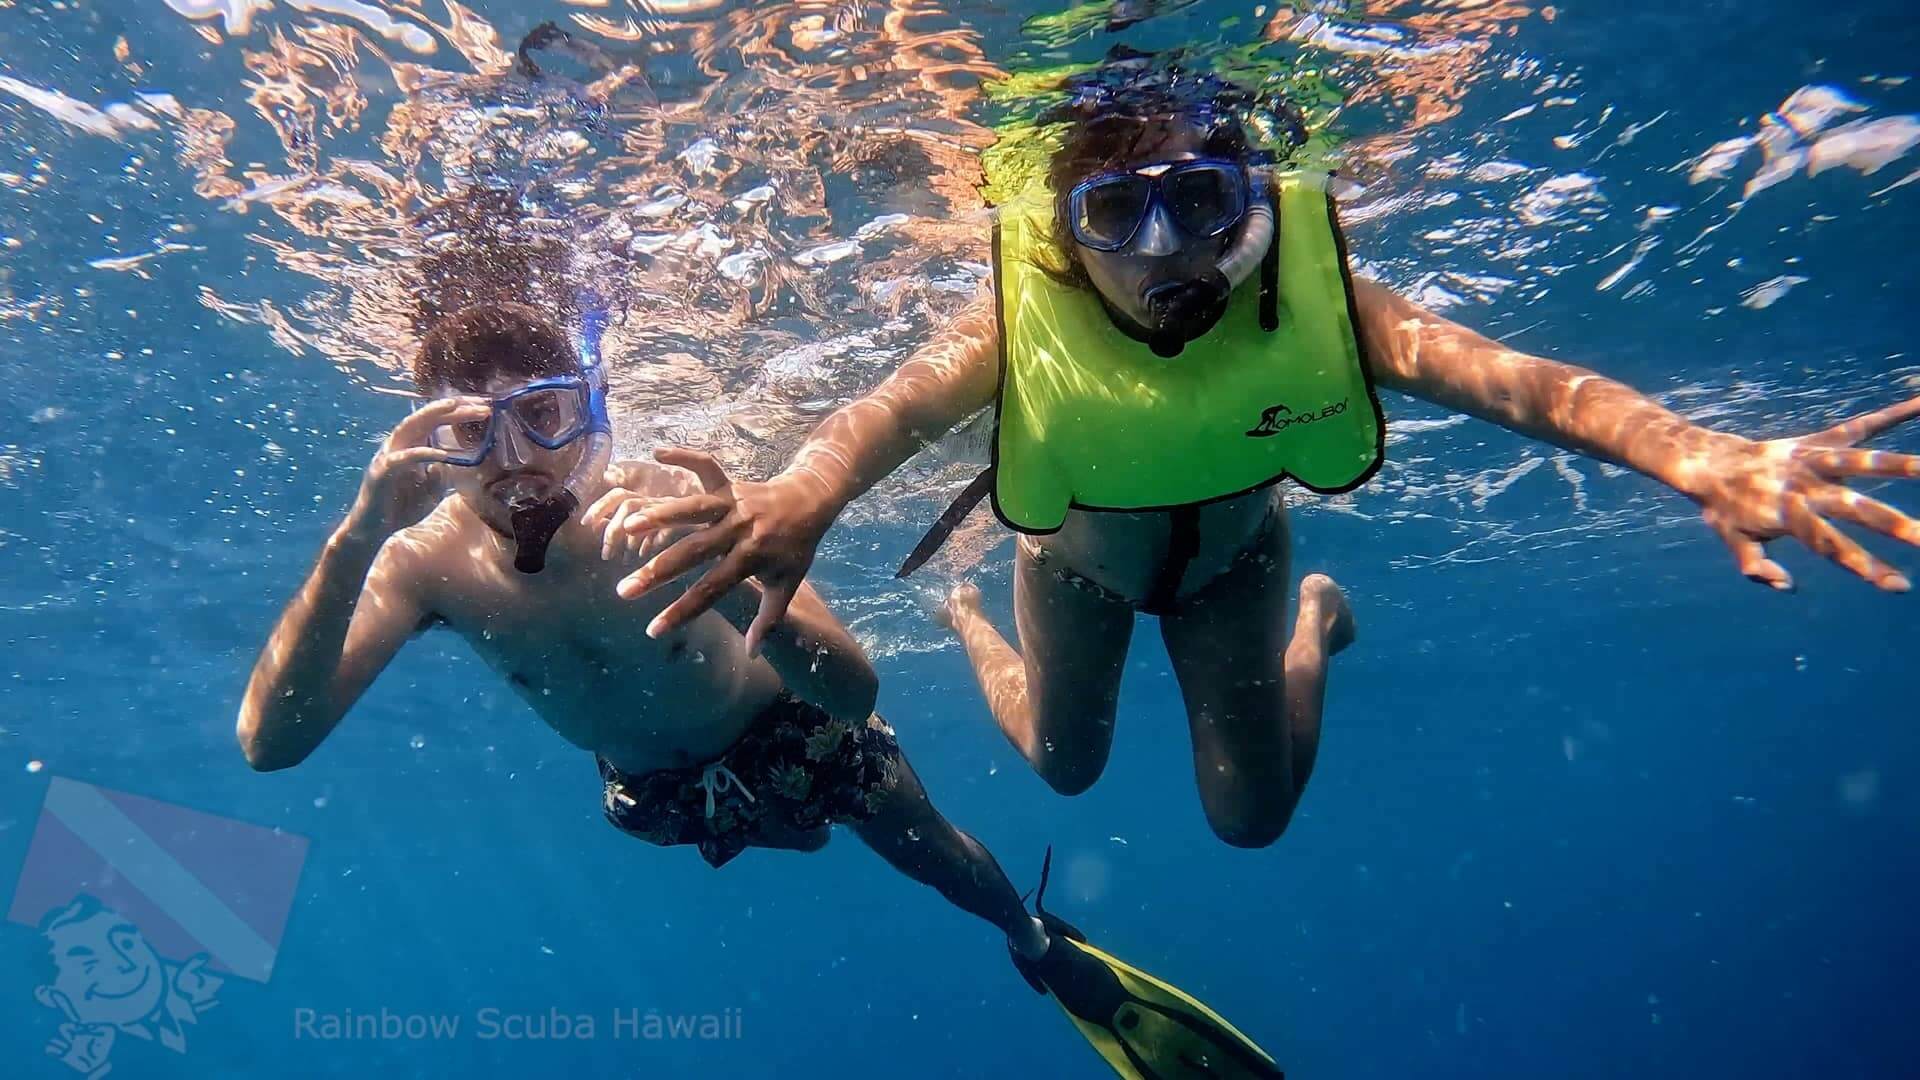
(766, 531)
(1752, 492)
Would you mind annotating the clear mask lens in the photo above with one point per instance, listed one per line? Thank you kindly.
(1112, 209)
(1204, 201)
(551, 415)
(465, 443)
(1204, 198)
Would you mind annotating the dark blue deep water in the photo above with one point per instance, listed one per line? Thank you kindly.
(1588, 803)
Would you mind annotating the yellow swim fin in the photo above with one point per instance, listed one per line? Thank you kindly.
(1145, 1028)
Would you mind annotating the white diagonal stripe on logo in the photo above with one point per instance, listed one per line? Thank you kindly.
(146, 865)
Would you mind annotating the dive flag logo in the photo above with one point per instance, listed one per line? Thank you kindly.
(193, 883)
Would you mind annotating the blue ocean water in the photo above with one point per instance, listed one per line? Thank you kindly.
(1588, 803)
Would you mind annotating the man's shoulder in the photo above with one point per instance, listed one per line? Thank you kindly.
(431, 548)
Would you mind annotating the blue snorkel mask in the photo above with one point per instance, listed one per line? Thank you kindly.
(552, 413)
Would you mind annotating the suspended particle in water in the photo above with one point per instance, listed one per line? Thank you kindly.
(1860, 788)
(35, 766)
(1087, 876)
(418, 742)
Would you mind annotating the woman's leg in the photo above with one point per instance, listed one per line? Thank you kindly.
(1055, 699)
(1253, 691)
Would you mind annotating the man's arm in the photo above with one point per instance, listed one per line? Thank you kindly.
(358, 605)
(1410, 349)
(337, 634)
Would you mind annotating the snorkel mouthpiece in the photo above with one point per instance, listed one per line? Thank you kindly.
(536, 519)
(534, 526)
(1184, 310)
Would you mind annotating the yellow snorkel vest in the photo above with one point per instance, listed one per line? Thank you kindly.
(1089, 418)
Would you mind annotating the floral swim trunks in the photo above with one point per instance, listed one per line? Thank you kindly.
(794, 769)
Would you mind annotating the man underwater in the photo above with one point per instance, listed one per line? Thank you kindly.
(1172, 329)
(698, 741)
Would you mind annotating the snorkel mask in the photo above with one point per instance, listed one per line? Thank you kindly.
(1162, 212)
(1175, 213)
(550, 413)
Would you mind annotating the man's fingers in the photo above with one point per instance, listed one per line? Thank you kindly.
(1867, 425)
(605, 503)
(702, 595)
(671, 563)
(708, 471)
(773, 607)
(1860, 509)
(415, 455)
(421, 422)
(612, 536)
(1831, 543)
(652, 543)
(1752, 557)
(685, 510)
(1839, 464)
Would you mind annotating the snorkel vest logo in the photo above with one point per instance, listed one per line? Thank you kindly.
(1278, 418)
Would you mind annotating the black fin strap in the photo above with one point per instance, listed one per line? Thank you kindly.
(955, 513)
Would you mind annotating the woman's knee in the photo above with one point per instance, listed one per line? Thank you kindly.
(1071, 758)
(1071, 773)
(1250, 819)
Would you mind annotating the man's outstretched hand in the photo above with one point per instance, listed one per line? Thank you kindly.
(765, 531)
(1751, 492)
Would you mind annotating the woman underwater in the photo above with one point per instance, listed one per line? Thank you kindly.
(1172, 329)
